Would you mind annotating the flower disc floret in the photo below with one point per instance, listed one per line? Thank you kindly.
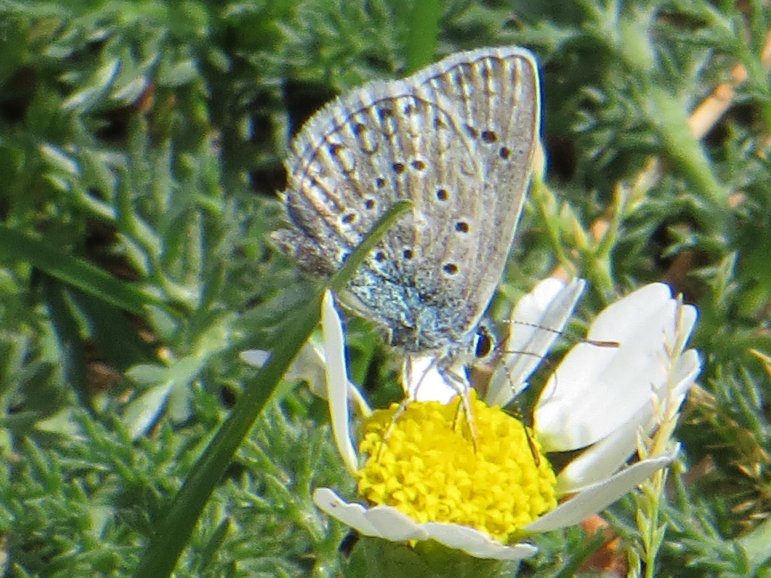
(434, 463)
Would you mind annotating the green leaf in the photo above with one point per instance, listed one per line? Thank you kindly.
(21, 247)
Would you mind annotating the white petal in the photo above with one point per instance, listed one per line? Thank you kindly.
(394, 525)
(422, 380)
(606, 456)
(476, 543)
(309, 366)
(601, 460)
(536, 322)
(337, 380)
(599, 496)
(352, 515)
(596, 389)
(390, 524)
(381, 521)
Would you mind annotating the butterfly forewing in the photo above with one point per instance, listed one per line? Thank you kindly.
(456, 139)
(495, 100)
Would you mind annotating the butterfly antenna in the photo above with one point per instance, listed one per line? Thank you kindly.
(595, 342)
(534, 452)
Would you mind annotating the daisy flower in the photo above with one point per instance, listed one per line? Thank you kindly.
(459, 470)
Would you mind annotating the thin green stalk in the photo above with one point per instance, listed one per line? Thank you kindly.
(423, 33)
(652, 532)
(339, 279)
(651, 496)
(175, 529)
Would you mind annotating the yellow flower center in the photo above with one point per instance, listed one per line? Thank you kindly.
(426, 463)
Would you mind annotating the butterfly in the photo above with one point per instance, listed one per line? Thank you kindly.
(457, 139)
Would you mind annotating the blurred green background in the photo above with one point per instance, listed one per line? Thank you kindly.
(140, 154)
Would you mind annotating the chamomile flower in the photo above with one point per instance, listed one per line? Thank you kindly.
(459, 470)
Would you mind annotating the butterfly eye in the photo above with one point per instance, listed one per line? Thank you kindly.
(483, 343)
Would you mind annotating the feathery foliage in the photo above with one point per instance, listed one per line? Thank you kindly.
(140, 149)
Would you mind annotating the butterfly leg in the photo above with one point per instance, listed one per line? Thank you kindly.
(460, 384)
(407, 373)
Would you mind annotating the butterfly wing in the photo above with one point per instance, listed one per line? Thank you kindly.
(492, 96)
(456, 139)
